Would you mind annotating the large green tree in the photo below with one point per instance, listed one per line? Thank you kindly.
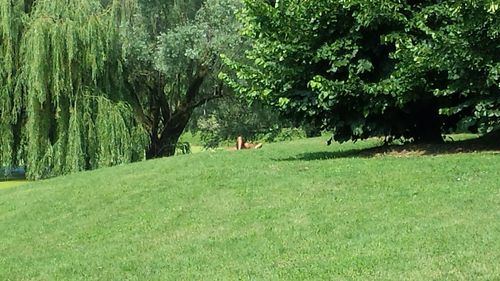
(451, 51)
(87, 84)
(12, 18)
(67, 112)
(469, 52)
(363, 68)
(171, 61)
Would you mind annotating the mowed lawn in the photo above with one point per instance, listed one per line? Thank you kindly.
(291, 211)
(9, 184)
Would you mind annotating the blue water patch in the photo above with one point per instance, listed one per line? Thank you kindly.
(12, 173)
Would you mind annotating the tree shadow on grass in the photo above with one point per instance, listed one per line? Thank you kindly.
(487, 143)
(324, 155)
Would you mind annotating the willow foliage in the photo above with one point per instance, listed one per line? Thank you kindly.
(12, 17)
(87, 84)
(68, 89)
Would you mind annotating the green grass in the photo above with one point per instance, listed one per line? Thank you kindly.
(9, 184)
(291, 211)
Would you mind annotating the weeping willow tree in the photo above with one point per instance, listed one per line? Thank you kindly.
(63, 106)
(88, 84)
(13, 16)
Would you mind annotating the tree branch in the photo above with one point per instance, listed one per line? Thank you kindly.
(218, 94)
(137, 107)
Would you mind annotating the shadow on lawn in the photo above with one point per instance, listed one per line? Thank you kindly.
(324, 155)
(487, 143)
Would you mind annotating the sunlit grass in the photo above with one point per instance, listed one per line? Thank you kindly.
(290, 211)
(9, 184)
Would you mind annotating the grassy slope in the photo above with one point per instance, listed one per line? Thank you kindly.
(291, 211)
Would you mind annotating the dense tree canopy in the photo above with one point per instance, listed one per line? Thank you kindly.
(11, 28)
(187, 57)
(87, 84)
(64, 111)
(362, 68)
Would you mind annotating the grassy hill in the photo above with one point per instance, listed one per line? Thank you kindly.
(291, 211)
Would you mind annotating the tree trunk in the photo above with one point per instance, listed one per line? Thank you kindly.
(163, 141)
(164, 145)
